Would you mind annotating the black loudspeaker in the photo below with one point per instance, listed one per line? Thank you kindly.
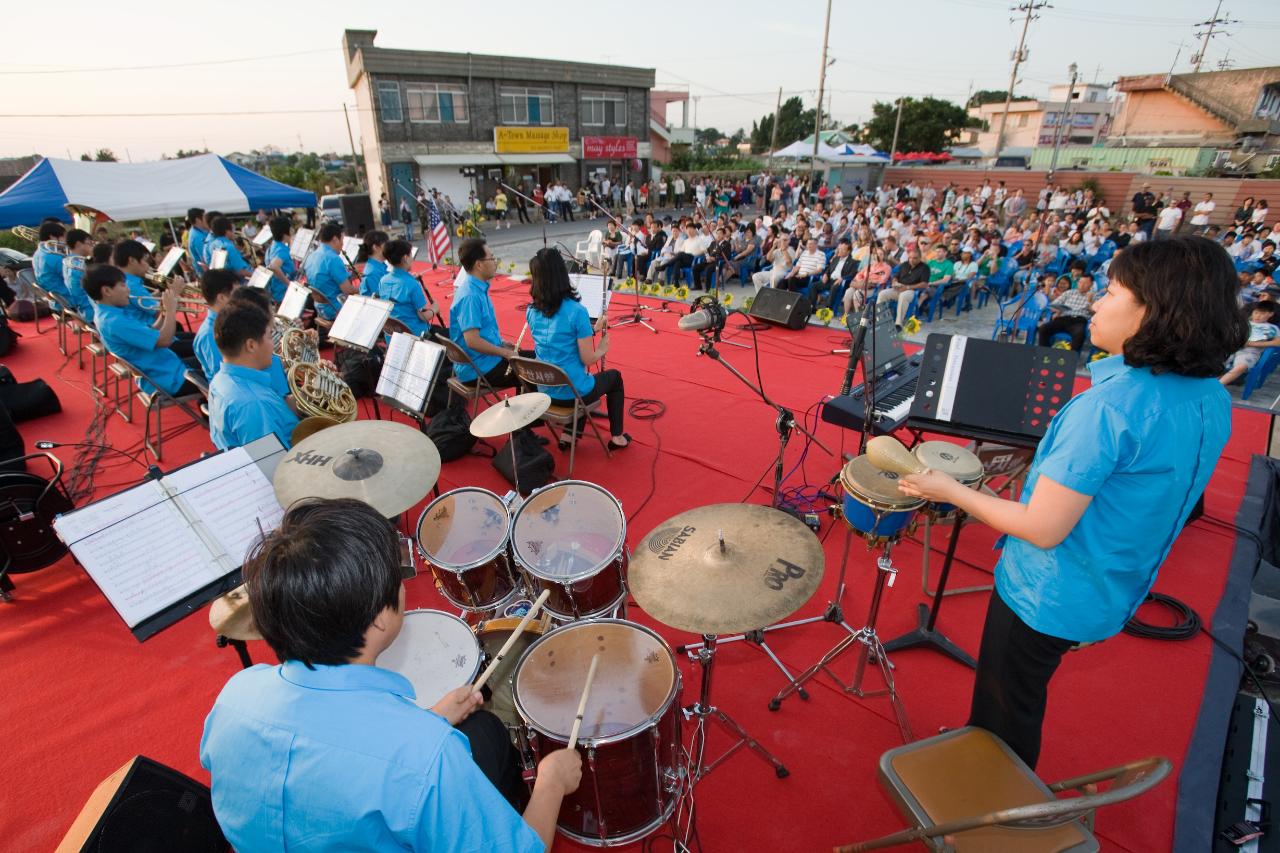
(144, 807)
(357, 214)
(774, 305)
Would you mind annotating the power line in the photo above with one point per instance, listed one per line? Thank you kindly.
(98, 70)
(1208, 34)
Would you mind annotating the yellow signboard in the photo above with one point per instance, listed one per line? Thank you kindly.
(530, 140)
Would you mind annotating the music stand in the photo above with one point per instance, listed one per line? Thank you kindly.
(360, 322)
(412, 369)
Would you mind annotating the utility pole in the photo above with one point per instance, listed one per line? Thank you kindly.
(893, 149)
(355, 161)
(1208, 34)
(773, 139)
(1064, 118)
(1019, 56)
(822, 82)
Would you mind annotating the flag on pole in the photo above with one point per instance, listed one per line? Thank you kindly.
(438, 242)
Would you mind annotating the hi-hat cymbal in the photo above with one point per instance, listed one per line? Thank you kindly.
(726, 569)
(510, 414)
(231, 616)
(387, 465)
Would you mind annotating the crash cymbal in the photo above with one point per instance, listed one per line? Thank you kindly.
(766, 566)
(231, 616)
(510, 414)
(308, 427)
(387, 465)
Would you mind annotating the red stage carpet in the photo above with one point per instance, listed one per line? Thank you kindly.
(81, 695)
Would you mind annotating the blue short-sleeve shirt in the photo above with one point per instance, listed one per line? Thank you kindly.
(195, 247)
(134, 341)
(279, 379)
(1142, 445)
(280, 251)
(326, 272)
(206, 348)
(48, 270)
(473, 309)
(245, 405)
(374, 270)
(340, 758)
(73, 267)
(407, 298)
(555, 339)
(137, 291)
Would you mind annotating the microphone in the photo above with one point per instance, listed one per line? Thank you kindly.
(50, 445)
(856, 346)
(709, 314)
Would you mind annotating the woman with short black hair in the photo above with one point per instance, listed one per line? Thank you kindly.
(1113, 480)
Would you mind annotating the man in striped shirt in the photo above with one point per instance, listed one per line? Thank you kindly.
(1070, 314)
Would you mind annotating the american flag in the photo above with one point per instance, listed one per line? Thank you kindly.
(438, 242)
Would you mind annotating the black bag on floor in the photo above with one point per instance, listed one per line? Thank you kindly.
(450, 432)
(27, 400)
(8, 336)
(26, 310)
(537, 466)
(360, 370)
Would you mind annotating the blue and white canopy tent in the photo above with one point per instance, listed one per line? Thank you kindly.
(130, 191)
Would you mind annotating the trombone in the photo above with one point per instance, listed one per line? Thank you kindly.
(31, 235)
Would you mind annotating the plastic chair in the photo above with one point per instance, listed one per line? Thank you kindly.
(969, 785)
(530, 371)
(1012, 309)
(591, 249)
(1259, 372)
(457, 388)
(1034, 312)
(1105, 252)
(157, 401)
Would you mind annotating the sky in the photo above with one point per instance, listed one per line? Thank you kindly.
(267, 74)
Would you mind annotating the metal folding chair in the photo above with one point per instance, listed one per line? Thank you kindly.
(481, 390)
(530, 371)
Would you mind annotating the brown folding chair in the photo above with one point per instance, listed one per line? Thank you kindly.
(320, 299)
(530, 371)
(157, 401)
(966, 790)
(457, 388)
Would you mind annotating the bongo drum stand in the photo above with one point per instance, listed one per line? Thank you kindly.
(703, 709)
(869, 648)
(925, 633)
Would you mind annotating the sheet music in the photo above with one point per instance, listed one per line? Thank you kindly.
(217, 259)
(170, 261)
(413, 253)
(233, 498)
(261, 278)
(262, 238)
(408, 370)
(351, 248)
(595, 297)
(360, 321)
(147, 244)
(951, 377)
(301, 242)
(295, 300)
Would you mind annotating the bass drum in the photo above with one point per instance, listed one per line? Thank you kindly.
(492, 633)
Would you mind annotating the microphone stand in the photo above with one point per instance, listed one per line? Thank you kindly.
(636, 317)
(512, 189)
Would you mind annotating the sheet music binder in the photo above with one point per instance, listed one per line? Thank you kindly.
(410, 372)
(162, 549)
(996, 391)
(294, 302)
(260, 279)
(217, 259)
(360, 321)
(301, 243)
(594, 292)
(170, 261)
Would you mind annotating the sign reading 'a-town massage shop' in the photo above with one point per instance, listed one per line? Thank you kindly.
(608, 147)
(530, 140)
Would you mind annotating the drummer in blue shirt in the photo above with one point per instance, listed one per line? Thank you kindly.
(1113, 480)
(79, 249)
(131, 257)
(562, 335)
(375, 265)
(221, 240)
(327, 273)
(47, 260)
(216, 287)
(244, 405)
(197, 235)
(143, 346)
(367, 769)
(404, 291)
(473, 324)
(278, 259)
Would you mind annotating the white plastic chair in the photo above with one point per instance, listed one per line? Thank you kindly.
(591, 250)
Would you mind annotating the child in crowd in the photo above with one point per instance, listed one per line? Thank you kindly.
(1263, 333)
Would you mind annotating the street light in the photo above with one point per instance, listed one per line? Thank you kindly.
(1063, 118)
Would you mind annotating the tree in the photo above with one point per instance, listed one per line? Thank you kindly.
(105, 155)
(708, 136)
(739, 136)
(992, 96)
(794, 122)
(928, 124)
(184, 153)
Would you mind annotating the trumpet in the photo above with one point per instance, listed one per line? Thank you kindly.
(153, 303)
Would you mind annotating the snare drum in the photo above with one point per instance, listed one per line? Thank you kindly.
(492, 633)
(873, 506)
(463, 536)
(952, 459)
(436, 651)
(632, 773)
(569, 538)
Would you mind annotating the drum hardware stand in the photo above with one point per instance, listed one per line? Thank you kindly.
(925, 633)
(869, 648)
(636, 317)
(702, 709)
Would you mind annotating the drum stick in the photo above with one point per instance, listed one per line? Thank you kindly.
(520, 339)
(506, 647)
(582, 703)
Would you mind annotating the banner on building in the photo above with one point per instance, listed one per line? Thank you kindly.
(530, 140)
(608, 147)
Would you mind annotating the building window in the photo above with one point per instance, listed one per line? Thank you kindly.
(1022, 120)
(389, 101)
(1093, 97)
(435, 102)
(604, 108)
(526, 106)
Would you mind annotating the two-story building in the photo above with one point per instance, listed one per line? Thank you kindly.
(459, 122)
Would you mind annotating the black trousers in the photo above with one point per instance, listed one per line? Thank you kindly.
(495, 756)
(1015, 664)
(183, 345)
(1073, 326)
(523, 214)
(608, 385)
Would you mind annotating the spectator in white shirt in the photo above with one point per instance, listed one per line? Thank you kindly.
(1200, 216)
(811, 261)
(1167, 221)
(1245, 249)
(780, 256)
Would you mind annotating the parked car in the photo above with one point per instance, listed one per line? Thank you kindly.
(331, 208)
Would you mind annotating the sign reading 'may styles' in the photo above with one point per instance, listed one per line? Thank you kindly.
(530, 140)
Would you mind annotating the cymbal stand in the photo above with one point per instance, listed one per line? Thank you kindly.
(703, 709)
(869, 648)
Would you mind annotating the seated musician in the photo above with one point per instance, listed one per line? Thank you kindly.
(197, 235)
(144, 346)
(46, 264)
(244, 404)
(563, 336)
(222, 238)
(473, 325)
(79, 249)
(327, 273)
(375, 265)
(131, 257)
(255, 296)
(277, 258)
(367, 768)
(216, 287)
(405, 292)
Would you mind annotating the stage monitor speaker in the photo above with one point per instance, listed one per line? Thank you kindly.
(357, 214)
(143, 807)
(774, 305)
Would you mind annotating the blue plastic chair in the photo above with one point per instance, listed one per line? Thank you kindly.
(944, 296)
(1100, 257)
(1010, 320)
(1059, 264)
(1259, 372)
(1034, 312)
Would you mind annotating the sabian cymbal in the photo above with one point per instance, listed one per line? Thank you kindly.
(765, 568)
(387, 465)
(231, 616)
(510, 414)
